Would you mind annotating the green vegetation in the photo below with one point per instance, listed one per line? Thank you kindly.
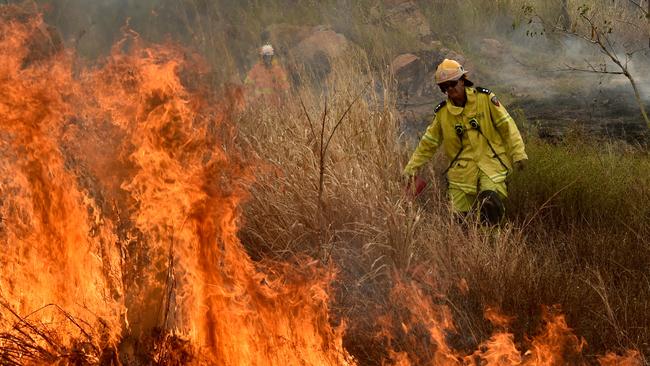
(598, 183)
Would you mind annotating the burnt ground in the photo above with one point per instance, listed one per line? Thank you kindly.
(608, 113)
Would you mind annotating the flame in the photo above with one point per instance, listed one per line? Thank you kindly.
(500, 350)
(631, 358)
(48, 257)
(497, 318)
(121, 205)
(554, 344)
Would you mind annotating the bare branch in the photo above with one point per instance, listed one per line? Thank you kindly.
(345, 113)
(572, 68)
(633, 52)
(321, 158)
(638, 5)
(311, 124)
(73, 321)
(599, 38)
(628, 23)
(30, 326)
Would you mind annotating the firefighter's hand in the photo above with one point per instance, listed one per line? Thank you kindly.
(520, 165)
(414, 186)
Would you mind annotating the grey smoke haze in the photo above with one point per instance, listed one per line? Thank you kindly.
(541, 67)
(219, 29)
(228, 32)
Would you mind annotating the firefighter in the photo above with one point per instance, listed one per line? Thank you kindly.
(481, 140)
(267, 81)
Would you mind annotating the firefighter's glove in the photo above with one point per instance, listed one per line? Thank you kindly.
(520, 165)
(414, 186)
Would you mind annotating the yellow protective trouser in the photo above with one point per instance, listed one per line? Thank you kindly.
(462, 201)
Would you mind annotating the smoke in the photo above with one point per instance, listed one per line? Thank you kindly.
(640, 69)
(560, 78)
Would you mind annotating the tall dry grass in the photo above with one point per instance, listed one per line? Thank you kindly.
(577, 234)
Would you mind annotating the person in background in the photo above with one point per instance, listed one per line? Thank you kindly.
(266, 82)
(481, 140)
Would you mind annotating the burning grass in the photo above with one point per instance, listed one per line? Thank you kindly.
(122, 208)
(130, 228)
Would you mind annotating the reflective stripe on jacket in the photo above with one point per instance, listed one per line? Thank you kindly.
(496, 125)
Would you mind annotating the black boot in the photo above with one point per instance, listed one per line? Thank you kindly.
(491, 208)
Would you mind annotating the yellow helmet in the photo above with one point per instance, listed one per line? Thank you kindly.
(449, 70)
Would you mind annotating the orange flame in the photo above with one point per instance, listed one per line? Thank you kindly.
(497, 318)
(179, 266)
(631, 358)
(119, 200)
(48, 256)
(555, 344)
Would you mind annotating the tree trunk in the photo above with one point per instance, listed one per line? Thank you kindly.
(639, 100)
(565, 20)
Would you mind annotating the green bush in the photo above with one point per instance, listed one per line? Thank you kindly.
(597, 183)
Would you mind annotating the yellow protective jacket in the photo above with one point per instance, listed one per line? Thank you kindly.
(495, 124)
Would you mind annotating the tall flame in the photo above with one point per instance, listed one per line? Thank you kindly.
(160, 252)
(50, 255)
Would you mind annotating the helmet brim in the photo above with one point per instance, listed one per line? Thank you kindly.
(452, 78)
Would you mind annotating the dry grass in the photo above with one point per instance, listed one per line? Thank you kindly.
(577, 237)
